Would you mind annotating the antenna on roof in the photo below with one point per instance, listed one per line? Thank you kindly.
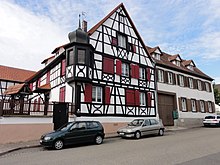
(79, 22)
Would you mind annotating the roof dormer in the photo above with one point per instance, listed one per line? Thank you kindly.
(175, 59)
(155, 52)
(189, 64)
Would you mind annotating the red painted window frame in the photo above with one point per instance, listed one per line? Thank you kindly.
(62, 94)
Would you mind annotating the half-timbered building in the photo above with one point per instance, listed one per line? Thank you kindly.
(106, 71)
(185, 93)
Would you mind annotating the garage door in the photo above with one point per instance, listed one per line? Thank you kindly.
(165, 108)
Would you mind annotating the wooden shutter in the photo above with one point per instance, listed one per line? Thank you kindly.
(195, 84)
(148, 74)
(31, 86)
(108, 65)
(213, 107)
(137, 98)
(178, 79)
(206, 106)
(188, 105)
(186, 81)
(118, 67)
(165, 76)
(133, 48)
(180, 104)
(130, 97)
(210, 87)
(149, 98)
(107, 95)
(134, 71)
(174, 78)
(63, 67)
(48, 77)
(62, 94)
(197, 105)
(88, 93)
(114, 41)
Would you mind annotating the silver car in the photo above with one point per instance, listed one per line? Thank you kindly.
(141, 127)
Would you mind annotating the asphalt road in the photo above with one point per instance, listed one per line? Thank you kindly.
(188, 147)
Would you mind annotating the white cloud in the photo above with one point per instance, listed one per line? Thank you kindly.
(26, 39)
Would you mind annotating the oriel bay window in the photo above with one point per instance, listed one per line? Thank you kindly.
(70, 57)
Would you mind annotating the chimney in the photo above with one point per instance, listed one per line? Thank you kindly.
(84, 26)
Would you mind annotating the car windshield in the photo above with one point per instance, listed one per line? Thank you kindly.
(136, 122)
(210, 117)
(66, 126)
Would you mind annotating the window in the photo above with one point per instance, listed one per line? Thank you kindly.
(132, 97)
(70, 57)
(177, 63)
(153, 122)
(160, 76)
(125, 70)
(190, 67)
(210, 106)
(97, 94)
(193, 104)
(181, 80)
(108, 65)
(142, 99)
(191, 83)
(81, 56)
(207, 87)
(202, 106)
(199, 85)
(170, 77)
(62, 94)
(156, 56)
(63, 67)
(121, 41)
(142, 73)
(183, 102)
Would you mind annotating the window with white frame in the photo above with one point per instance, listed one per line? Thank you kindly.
(193, 104)
(125, 69)
(190, 67)
(202, 106)
(210, 107)
(142, 99)
(142, 73)
(170, 77)
(207, 87)
(160, 75)
(156, 56)
(191, 83)
(97, 94)
(199, 85)
(181, 80)
(183, 102)
(122, 41)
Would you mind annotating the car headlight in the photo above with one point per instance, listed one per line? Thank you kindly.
(129, 130)
(47, 138)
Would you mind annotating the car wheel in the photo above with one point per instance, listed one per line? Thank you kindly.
(137, 135)
(58, 144)
(161, 132)
(98, 139)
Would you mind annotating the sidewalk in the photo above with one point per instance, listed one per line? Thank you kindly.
(10, 147)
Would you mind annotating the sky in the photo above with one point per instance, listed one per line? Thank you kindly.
(31, 29)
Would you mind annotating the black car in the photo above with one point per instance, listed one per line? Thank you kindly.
(74, 132)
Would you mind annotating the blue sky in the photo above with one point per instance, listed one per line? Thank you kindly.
(31, 29)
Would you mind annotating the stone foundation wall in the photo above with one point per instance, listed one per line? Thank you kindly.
(188, 122)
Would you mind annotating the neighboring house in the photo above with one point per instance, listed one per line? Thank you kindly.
(183, 91)
(104, 72)
(13, 78)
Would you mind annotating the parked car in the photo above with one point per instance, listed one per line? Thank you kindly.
(140, 127)
(211, 120)
(74, 132)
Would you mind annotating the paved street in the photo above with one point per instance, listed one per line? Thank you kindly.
(186, 147)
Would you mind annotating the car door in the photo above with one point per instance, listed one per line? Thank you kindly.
(92, 130)
(154, 126)
(76, 134)
(145, 129)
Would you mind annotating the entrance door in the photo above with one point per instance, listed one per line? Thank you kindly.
(166, 108)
